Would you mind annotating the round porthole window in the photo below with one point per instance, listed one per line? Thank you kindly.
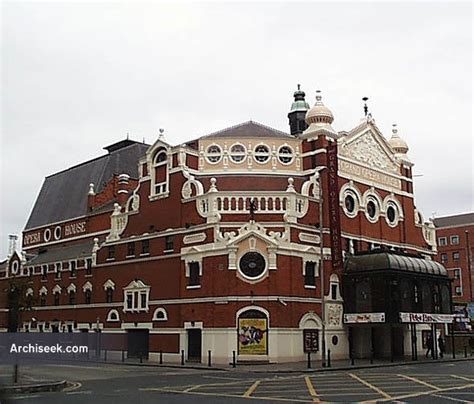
(285, 154)
(372, 210)
(214, 154)
(335, 340)
(262, 153)
(391, 215)
(349, 203)
(15, 267)
(237, 153)
(252, 265)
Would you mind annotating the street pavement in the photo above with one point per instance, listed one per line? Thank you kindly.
(101, 383)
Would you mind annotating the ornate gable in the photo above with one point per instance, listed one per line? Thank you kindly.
(369, 147)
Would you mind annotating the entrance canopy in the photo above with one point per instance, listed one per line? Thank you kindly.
(391, 261)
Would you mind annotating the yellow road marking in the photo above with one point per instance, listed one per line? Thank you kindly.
(427, 393)
(311, 389)
(375, 388)
(251, 389)
(414, 379)
(158, 389)
(463, 378)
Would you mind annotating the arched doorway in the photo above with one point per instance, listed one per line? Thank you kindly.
(252, 333)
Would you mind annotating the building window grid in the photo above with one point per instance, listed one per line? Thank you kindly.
(136, 300)
(145, 247)
(131, 249)
(310, 274)
(169, 243)
(109, 295)
(456, 256)
(442, 241)
(72, 269)
(444, 258)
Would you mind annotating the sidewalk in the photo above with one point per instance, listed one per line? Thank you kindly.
(293, 367)
(25, 383)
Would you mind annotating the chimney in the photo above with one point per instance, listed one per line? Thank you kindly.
(122, 189)
(12, 240)
(90, 197)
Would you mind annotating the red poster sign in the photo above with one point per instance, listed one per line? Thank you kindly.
(333, 201)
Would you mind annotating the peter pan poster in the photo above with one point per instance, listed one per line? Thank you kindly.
(252, 336)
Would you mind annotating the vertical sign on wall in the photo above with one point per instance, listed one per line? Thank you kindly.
(333, 202)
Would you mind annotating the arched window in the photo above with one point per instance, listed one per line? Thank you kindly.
(160, 314)
(160, 172)
(113, 316)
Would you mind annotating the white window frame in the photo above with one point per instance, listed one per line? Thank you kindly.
(261, 154)
(455, 237)
(136, 289)
(109, 316)
(285, 155)
(160, 310)
(239, 154)
(213, 155)
(442, 241)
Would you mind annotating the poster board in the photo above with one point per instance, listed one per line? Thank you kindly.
(252, 338)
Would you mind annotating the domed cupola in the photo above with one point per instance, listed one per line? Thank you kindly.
(399, 146)
(297, 113)
(319, 120)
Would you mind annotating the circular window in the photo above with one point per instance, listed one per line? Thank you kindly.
(391, 214)
(285, 154)
(371, 209)
(252, 265)
(47, 235)
(214, 154)
(237, 153)
(335, 340)
(15, 267)
(57, 233)
(262, 153)
(349, 203)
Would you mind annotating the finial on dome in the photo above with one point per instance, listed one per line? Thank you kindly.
(319, 119)
(398, 145)
(318, 96)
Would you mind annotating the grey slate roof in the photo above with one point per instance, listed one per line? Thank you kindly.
(63, 253)
(64, 195)
(386, 260)
(454, 220)
(249, 129)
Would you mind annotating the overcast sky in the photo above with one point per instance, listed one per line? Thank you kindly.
(78, 76)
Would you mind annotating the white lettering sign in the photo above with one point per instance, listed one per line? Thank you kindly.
(369, 174)
(75, 228)
(358, 318)
(426, 318)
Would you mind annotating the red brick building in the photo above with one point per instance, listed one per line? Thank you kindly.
(225, 242)
(455, 236)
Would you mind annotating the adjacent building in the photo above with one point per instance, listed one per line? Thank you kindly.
(250, 239)
(455, 234)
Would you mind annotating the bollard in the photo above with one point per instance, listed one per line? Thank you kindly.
(329, 359)
(209, 358)
(309, 360)
(465, 351)
(233, 359)
(182, 357)
(352, 358)
(105, 355)
(141, 358)
(123, 356)
(15, 373)
(161, 357)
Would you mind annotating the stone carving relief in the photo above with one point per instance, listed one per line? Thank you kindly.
(334, 315)
(367, 150)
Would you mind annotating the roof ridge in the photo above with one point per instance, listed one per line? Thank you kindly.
(229, 128)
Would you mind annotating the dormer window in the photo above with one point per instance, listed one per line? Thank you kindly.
(136, 296)
(160, 172)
